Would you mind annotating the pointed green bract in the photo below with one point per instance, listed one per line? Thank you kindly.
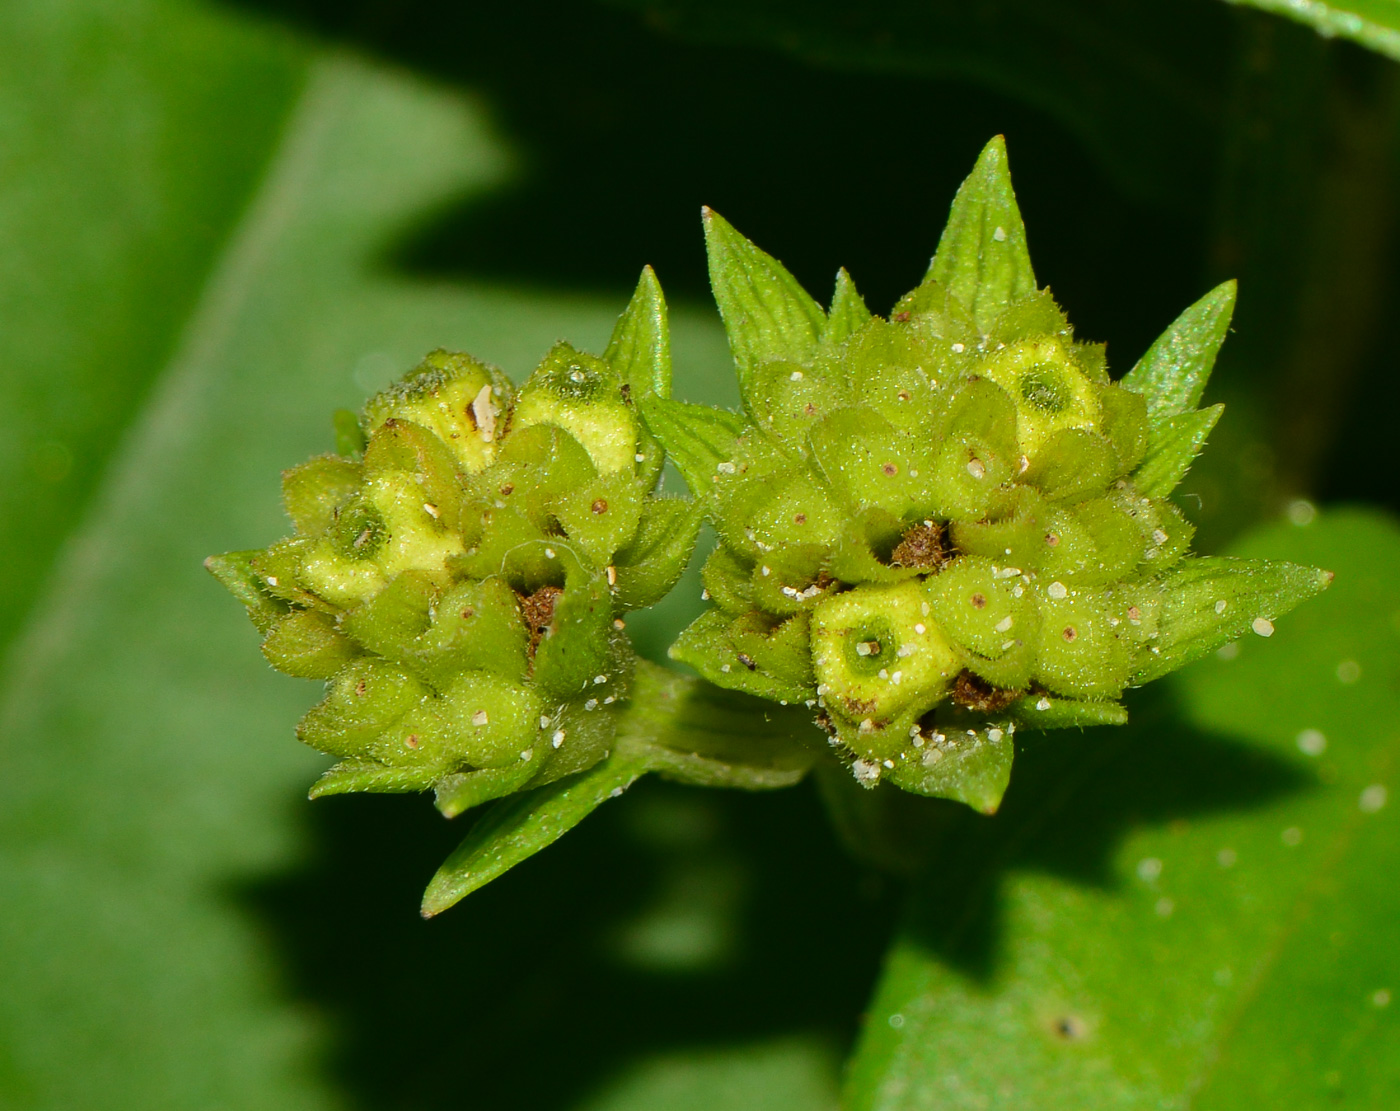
(982, 257)
(640, 347)
(1173, 373)
(767, 315)
(848, 313)
(697, 438)
(1172, 447)
(966, 767)
(1209, 601)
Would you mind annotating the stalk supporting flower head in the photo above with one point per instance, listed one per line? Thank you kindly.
(939, 527)
(459, 569)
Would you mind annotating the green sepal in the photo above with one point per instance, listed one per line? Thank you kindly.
(363, 699)
(390, 621)
(647, 569)
(235, 573)
(697, 438)
(728, 581)
(516, 828)
(1074, 464)
(314, 491)
(306, 644)
(982, 258)
(584, 396)
(855, 556)
(693, 732)
(476, 626)
(1173, 373)
(749, 654)
(848, 313)
(1175, 442)
(767, 315)
(1192, 620)
(574, 648)
(349, 436)
(401, 445)
(640, 347)
(1124, 423)
(602, 517)
(353, 776)
(1049, 711)
(974, 771)
(461, 791)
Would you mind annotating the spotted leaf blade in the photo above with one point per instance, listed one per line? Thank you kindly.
(975, 772)
(982, 257)
(1172, 374)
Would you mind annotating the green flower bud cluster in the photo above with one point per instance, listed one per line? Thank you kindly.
(941, 526)
(459, 569)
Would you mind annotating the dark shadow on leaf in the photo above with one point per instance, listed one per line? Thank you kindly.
(1073, 798)
(623, 131)
(672, 918)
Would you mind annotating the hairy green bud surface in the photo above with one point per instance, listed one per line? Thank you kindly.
(942, 526)
(459, 570)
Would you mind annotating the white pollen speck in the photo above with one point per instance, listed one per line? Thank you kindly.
(795, 376)
(615, 793)
(549, 553)
(1227, 858)
(1312, 742)
(1159, 537)
(1149, 868)
(867, 726)
(725, 468)
(272, 580)
(883, 673)
(484, 413)
(1228, 651)
(767, 571)
(480, 718)
(865, 771)
(1056, 590)
(544, 722)
(898, 676)
(958, 349)
(999, 235)
(1373, 798)
(704, 595)
(1043, 704)
(431, 510)
(923, 608)
(1220, 606)
(612, 575)
(1263, 626)
(591, 704)
(1292, 836)
(1004, 624)
(639, 457)
(558, 738)
(976, 469)
(888, 763)
(526, 753)
(994, 735)
(1017, 590)
(724, 668)
(1348, 672)
(599, 679)
(904, 650)
(920, 628)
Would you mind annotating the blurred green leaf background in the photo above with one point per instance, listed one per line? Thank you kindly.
(222, 219)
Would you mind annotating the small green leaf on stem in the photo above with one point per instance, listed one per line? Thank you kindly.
(1173, 372)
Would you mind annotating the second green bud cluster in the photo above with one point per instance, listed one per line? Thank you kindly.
(940, 526)
(460, 568)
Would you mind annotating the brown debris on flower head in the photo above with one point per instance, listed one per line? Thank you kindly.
(975, 693)
(922, 547)
(538, 611)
